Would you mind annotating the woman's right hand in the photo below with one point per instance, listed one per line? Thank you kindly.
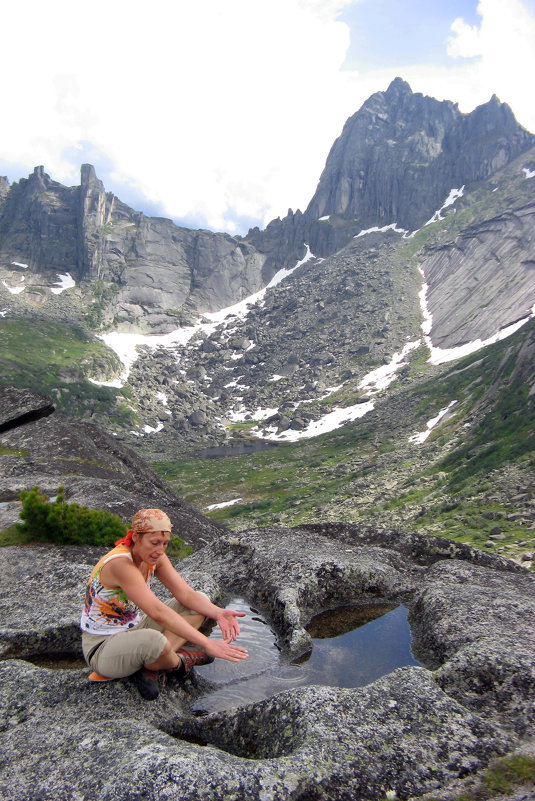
(222, 650)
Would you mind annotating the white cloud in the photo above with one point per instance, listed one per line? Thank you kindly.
(219, 110)
(504, 44)
(466, 40)
(202, 106)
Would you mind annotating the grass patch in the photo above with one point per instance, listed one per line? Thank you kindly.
(12, 536)
(501, 778)
(288, 480)
(6, 451)
(54, 360)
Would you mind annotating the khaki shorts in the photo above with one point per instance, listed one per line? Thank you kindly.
(121, 654)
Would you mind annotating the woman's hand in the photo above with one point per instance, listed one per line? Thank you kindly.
(230, 628)
(222, 650)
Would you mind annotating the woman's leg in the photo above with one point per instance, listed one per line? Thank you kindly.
(175, 641)
(126, 652)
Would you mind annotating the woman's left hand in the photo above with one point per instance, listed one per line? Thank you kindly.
(230, 628)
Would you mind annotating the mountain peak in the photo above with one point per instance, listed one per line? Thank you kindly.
(398, 86)
(400, 154)
(88, 175)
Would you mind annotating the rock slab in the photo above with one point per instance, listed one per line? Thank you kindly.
(412, 731)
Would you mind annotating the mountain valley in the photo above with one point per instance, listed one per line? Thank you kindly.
(252, 352)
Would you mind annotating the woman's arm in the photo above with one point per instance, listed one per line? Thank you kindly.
(180, 589)
(125, 574)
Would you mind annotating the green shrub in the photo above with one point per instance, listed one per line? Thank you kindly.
(72, 524)
(66, 523)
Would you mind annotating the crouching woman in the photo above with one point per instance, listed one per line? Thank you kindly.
(128, 631)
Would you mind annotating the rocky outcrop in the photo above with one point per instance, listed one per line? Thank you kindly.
(154, 273)
(38, 226)
(482, 280)
(19, 406)
(413, 731)
(400, 155)
(95, 469)
(396, 161)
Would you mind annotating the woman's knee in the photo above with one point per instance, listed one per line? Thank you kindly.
(129, 652)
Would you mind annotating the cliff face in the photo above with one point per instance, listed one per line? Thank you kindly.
(483, 279)
(399, 156)
(159, 272)
(38, 224)
(396, 161)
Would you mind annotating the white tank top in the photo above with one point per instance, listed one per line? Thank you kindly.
(108, 610)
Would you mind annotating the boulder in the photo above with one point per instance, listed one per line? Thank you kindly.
(19, 406)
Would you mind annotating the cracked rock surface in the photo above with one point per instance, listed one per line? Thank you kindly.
(414, 730)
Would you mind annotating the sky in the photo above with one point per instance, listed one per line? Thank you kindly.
(220, 114)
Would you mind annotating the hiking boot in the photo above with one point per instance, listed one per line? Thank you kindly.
(189, 658)
(147, 682)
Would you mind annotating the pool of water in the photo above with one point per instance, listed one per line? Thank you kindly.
(352, 646)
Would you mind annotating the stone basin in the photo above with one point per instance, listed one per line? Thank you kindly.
(352, 646)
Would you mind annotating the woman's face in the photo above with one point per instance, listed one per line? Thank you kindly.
(151, 546)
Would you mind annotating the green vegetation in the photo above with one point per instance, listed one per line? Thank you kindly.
(461, 483)
(500, 779)
(103, 295)
(7, 451)
(54, 360)
(66, 523)
(70, 524)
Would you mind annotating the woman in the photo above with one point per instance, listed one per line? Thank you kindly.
(117, 641)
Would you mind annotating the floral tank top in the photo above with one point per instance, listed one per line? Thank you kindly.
(108, 610)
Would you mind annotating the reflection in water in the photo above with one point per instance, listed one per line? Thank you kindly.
(352, 646)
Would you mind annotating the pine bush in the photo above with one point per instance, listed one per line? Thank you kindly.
(66, 523)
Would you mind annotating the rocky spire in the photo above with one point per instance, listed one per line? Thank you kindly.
(400, 155)
(94, 212)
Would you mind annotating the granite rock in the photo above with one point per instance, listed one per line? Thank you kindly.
(400, 155)
(413, 731)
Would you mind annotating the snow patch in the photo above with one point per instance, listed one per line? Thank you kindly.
(284, 273)
(116, 383)
(20, 264)
(528, 174)
(65, 282)
(454, 195)
(150, 430)
(329, 422)
(375, 229)
(126, 345)
(222, 505)
(15, 290)
(442, 355)
(430, 425)
(381, 377)
(243, 414)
